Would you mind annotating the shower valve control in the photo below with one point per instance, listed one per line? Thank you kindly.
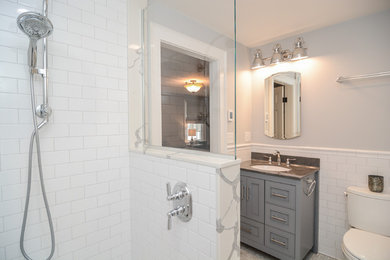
(182, 203)
(176, 196)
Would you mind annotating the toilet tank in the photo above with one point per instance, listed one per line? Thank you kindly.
(369, 211)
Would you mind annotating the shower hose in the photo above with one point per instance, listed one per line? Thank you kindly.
(35, 135)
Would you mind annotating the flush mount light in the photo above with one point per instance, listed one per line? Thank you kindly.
(279, 55)
(193, 86)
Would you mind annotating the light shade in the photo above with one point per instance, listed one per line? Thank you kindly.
(192, 132)
(277, 56)
(258, 61)
(299, 51)
(193, 86)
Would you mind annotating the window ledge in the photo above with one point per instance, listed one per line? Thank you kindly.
(202, 158)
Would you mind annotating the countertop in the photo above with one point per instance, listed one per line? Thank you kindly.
(297, 171)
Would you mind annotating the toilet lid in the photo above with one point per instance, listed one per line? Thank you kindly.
(366, 245)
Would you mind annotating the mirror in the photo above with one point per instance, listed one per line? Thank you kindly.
(282, 105)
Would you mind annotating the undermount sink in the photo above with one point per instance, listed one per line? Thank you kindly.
(271, 168)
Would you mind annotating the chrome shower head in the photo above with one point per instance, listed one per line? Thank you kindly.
(35, 26)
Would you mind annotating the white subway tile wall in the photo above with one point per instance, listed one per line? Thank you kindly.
(196, 239)
(84, 147)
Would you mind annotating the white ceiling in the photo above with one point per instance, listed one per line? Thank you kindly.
(263, 21)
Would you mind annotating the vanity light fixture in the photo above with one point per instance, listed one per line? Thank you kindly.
(279, 55)
(193, 86)
(299, 51)
(258, 61)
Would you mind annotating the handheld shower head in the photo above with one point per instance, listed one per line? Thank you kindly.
(35, 26)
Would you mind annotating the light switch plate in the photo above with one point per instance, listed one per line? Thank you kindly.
(230, 115)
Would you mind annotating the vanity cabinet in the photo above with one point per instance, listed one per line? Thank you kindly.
(252, 198)
(278, 214)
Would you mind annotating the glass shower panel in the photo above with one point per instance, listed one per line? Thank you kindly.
(189, 76)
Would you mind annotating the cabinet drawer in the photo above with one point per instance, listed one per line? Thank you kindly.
(280, 194)
(281, 218)
(252, 232)
(280, 241)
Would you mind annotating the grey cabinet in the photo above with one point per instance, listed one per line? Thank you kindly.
(252, 206)
(277, 216)
(243, 197)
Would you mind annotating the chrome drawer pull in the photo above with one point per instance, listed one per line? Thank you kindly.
(279, 195)
(247, 192)
(279, 219)
(278, 242)
(247, 230)
(242, 192)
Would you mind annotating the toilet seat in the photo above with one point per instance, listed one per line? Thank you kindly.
(363, 245)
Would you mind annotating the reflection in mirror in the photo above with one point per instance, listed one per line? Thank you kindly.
(184, 100)
(188, 81)
(282, 105)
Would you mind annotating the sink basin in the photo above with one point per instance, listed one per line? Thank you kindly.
(271, 168)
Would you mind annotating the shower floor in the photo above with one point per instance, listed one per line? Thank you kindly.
(250, 253)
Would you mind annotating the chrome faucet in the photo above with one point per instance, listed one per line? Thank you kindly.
(277, 153)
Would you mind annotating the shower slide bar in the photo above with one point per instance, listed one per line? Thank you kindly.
(342, 79)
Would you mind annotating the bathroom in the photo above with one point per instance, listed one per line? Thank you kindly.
(106, 162)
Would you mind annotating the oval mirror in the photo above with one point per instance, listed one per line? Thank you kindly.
(282, 105)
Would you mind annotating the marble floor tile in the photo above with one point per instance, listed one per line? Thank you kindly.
(250, 253)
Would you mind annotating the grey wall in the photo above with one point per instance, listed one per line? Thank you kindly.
(354, 115)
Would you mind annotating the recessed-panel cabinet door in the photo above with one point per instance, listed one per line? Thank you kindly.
(242, 195)
(255, 199)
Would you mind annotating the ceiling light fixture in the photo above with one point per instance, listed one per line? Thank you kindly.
(193, 86)
(279, 55)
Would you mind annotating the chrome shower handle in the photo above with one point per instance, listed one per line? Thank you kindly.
(169, 221)
(177, 195)
(169, 190)
(178, 211)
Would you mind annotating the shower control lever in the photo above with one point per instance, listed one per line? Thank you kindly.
(175, 212)
(176, 196)
(182, 203)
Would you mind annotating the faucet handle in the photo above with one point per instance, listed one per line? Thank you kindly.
(169, 190)
(288, 160)
(169, 221)
(269, 159)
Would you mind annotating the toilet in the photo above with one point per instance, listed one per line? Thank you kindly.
(369, 218)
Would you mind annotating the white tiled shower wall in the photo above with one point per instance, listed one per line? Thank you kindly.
(85, 148)
(340, 168)
(195, 240)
